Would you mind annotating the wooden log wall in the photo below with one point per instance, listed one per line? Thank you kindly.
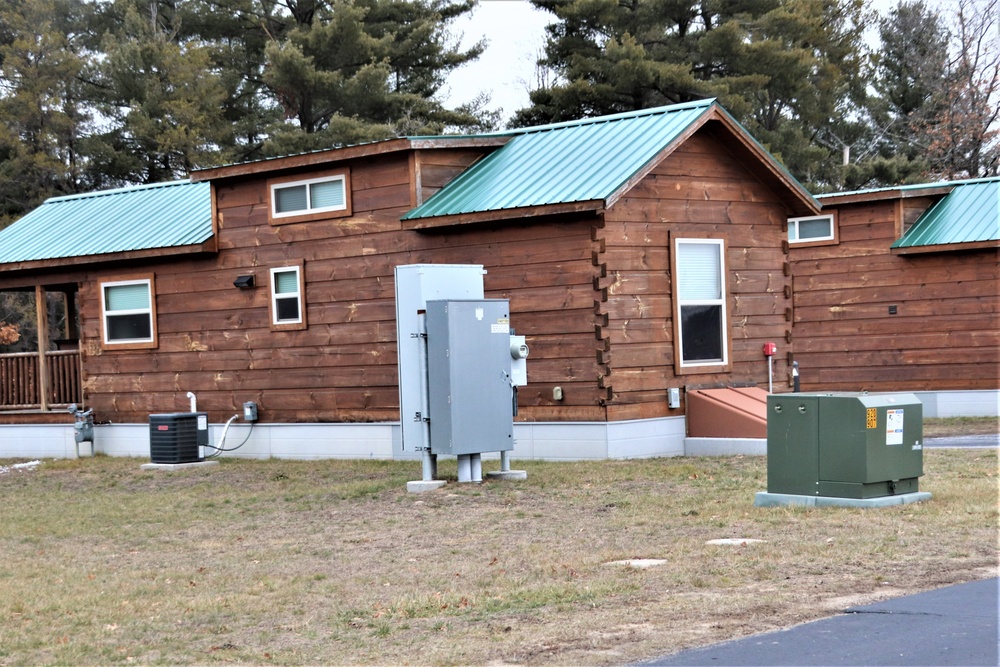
(945, 334)
(698, 190)
(216, 340)
(591, 291)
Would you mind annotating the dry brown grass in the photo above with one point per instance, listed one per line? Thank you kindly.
(332, 562)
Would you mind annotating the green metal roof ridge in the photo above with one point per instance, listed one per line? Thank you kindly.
(109, 222)
(120, 190)
(706, 103)
(970, 213)
(909, 187)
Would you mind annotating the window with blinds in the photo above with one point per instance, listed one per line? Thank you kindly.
(318, 195)
(127, 312)
(287, 308)
(700, 297)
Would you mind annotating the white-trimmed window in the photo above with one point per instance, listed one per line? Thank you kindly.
(287, 302)
(701, 321)
(128, 313)
(305, 197)
(810, 229)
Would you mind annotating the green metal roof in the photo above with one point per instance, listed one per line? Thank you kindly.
(145, 217)
(970, 213)
(578, 161)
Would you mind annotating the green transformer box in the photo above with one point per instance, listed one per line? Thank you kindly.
(844, 445)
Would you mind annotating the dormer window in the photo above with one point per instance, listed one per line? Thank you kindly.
(303, 199)
(811, 229)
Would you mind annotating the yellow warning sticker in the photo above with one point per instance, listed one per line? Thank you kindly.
(872, 418)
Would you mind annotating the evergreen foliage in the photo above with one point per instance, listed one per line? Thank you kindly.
(797, 73)
(102, 93)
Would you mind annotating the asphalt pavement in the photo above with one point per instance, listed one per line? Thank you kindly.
(964, 441)
(955, 625)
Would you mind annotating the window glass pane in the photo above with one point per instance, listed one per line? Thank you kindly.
(286, 282)
(287, 309)
(815, 228)
(701, 333)
(129, 327)
(290, 199)
(699, 266)
(329, 194)
(127, 297)
(793, 231)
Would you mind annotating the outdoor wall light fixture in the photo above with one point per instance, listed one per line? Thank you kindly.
(244, 282)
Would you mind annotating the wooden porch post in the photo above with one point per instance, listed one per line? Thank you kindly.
(42, 312)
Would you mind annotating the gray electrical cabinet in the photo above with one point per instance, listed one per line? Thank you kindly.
(469, 376)
(416, 284)
(844, 445)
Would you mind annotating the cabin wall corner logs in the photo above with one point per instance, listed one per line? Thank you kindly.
(592, 293)
(945, 333)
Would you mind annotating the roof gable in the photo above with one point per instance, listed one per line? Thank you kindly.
(587, 163)
(967, 216)
(173, 216)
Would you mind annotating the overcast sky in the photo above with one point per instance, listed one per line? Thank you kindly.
(516, 33)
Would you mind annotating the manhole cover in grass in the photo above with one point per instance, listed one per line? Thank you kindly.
(640, 563)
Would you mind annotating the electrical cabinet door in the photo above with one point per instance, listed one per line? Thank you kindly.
(469, 376)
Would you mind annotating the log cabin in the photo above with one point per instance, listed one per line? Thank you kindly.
(898, 289)
(640, 253)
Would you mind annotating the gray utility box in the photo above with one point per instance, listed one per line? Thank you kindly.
(844, 445)
(469, 376)
(416, 284)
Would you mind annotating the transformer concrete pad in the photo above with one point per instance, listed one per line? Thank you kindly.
(765, 499)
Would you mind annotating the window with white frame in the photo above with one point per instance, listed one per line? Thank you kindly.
(287, 308)
(317, 195)
(814, 228)
(128, 312)
(700, 298)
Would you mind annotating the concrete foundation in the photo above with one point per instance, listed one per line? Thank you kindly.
(765, 499)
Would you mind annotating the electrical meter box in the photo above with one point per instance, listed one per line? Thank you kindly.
(470, 388)
(844, 445)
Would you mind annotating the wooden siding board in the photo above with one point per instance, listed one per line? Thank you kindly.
(943, 335)
(215, 340)
(696, 191)
(592, 295)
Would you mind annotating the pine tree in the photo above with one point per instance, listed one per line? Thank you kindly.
(360, 70)
(788, 69)
(42, 115)
(162, 97)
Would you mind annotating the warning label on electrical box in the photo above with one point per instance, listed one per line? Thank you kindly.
(872, 418)
(894, 427)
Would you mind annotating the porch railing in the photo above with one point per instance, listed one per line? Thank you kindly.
(20, 380)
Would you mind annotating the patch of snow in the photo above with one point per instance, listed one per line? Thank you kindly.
(28, 466)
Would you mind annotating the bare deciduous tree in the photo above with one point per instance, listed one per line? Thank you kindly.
(964, 137)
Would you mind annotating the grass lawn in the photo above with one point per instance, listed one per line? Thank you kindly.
(332, 562)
